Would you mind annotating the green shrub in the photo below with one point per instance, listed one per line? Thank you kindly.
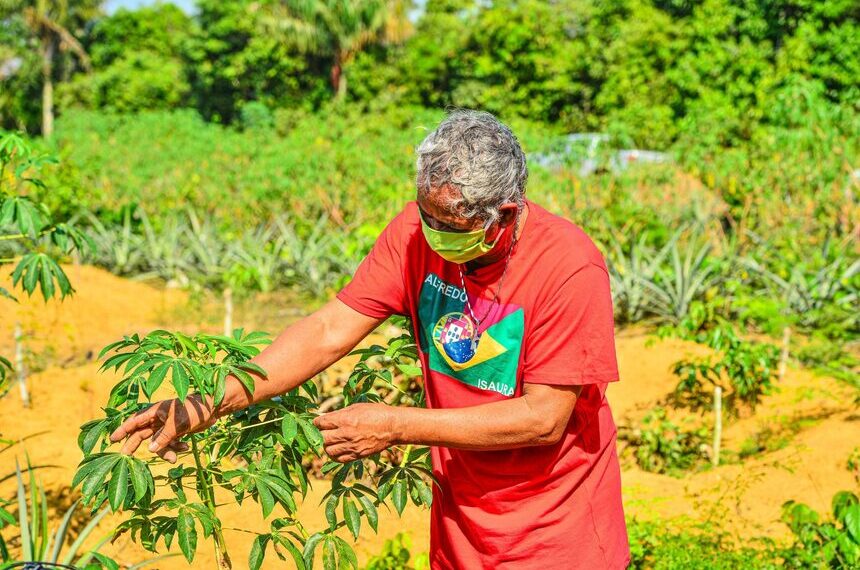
(661, 446)
(658, 546)
(395, 555)
(745, 370)
(829, 544)
(255, 115)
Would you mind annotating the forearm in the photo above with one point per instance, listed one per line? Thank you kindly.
(301, 351)
(505, 424)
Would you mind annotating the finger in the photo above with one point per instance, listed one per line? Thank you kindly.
(331, 436)
(173, 449)
(326, 421)
(337, 449)
(346, 458)
(164, 436)
(135, 439)
(134, 423)
(167, 454)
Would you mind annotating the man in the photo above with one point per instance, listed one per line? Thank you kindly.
(512, 312)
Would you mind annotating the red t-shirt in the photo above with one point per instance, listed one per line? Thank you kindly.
(538, 507)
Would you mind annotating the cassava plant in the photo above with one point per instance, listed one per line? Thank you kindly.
(745, 371)
(257, 453)
(831, 543)
(30, 237)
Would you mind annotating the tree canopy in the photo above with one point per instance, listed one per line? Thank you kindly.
(651, 71)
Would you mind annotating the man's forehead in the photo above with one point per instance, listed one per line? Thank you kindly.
(437, 203)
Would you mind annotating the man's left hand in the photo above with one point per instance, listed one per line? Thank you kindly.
(357, 431)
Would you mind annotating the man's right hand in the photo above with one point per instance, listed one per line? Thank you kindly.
(164, 422)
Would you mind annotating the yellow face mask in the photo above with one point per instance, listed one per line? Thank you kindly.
(457, 247)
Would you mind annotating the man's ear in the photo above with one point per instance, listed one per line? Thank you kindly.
(507, 214)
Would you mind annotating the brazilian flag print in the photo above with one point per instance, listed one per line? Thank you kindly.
(486, 359)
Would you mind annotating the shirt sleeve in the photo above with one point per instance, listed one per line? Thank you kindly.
(378, 288)
(572, 340)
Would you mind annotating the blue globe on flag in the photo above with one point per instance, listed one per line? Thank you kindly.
(455, 334)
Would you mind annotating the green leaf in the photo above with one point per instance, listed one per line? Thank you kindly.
(187, 533)
(346, 553)
(7, 295)
(26, 544)
(204, 515)
(310, 546)
(86, 467)
(410, 370)
(141, 479)
(186, 342)
(117, 360)
(246, 379)
(314, 436)
(398, 496)
(156, 377)
(47, 282)
(369, 511)
(289, 428)
(105, 563)
(90, 434)
(330, 511)
(329, 551)
(253, 368)
(258, 551)
(180, 380)
(425, 492)
(352, 518)
(295, 553)
(63, 281)
(266, 499)
(220, 387)
(852, 521)
(95, 480)
(282, 490)
(118, 486)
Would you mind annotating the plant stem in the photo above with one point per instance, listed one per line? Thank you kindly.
(221, 554)
(783, 357)
(718, 424)
(19, 366)
(406, 455)
(43, 232)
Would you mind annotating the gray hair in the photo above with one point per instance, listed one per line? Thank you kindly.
(478, 155)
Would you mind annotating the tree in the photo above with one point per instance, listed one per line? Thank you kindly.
(137, 57)
(19, 77)
(160, 29)
(233, 60)
(54, 25)
(337, 29)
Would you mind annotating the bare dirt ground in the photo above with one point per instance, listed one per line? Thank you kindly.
(811, 418)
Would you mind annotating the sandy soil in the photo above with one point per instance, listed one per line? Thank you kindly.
(812, 415)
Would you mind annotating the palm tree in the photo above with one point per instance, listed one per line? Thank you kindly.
(339, 29)
(50, 23)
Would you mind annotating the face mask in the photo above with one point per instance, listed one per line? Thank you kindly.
(458, 247)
